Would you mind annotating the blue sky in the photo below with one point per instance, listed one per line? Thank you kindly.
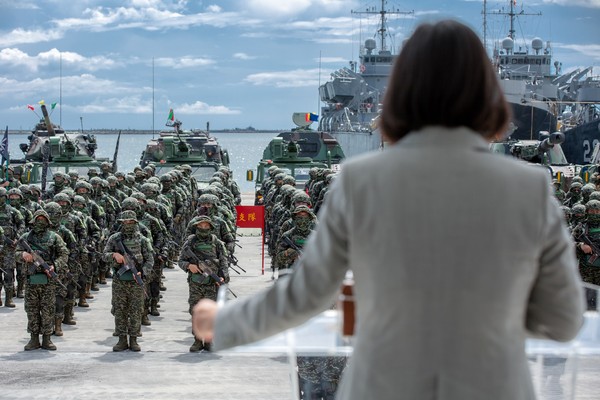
(234, 63)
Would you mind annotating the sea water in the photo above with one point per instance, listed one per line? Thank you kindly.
(245, 150)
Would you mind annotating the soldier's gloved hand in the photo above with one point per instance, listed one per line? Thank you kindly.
(177, 219)
(118, 258)
(230, 247)
(27, 257)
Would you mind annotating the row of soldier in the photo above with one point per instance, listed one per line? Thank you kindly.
(83, 215)
(290, 216)
(581, 206)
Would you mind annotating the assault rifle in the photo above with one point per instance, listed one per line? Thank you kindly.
(583, 237)
(291, 244)
(218, 280)
(39, 262)
(129, 265)
(234, 261)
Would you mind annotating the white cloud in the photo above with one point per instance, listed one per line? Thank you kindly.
(571, 3)
(589, 50)
(19, 5)
(243, 56)
(183, 62)
(200, 107)
(16, 58)
(283, 79)
(214, 8)
(72, 86)
(287, 8)
(336, 60)
(116, 105)
(19, 35)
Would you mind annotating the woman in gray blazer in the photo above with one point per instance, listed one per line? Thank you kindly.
(458, 254)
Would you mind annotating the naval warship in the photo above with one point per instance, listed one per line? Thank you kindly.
(543, 98)
(353, 97)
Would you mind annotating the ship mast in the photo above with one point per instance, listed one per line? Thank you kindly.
(512, 13)
(382, 24)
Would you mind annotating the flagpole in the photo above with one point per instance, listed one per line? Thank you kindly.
(152, 97)
(60, 90)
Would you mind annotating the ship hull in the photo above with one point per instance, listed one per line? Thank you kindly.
(354, 143)
(530, 120)
(580, 142)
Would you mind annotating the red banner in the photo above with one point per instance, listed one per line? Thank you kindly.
(250, 216)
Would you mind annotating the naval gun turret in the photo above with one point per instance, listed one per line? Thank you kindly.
(546, 151)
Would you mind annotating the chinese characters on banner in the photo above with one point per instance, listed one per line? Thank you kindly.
(253, 217)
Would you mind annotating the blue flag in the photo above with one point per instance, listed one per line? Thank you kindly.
(4, 147)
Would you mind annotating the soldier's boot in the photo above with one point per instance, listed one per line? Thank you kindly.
(207, 346)
(47, 343)
(20, 289)
(8, 299)
(58, 327)
(162, 287)
(133, 344)
(82, 302)
(154, 308)
(121, 344)
(102, 278)
(68, 319)
(145, 319)
(197, 346)
(108, 274)
(94, 286)
(34, 342)
(87, 291)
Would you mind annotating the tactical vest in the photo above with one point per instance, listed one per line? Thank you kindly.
(7, 221)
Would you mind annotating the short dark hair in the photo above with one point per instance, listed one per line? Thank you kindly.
(443, 76)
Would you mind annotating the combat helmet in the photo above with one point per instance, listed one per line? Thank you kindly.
(204, 218)
(131, 204)
(595, 195)
(127, 215)
(301, 197)
(208, 199)
(39, 213)
(592, 205)
(578, 209)
(54, 211)
(588, 188)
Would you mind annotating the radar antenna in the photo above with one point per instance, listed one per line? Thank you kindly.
(382, 24)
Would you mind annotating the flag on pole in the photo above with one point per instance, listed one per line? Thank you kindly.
(53, 106)
(4, 147)
(41, 102)
(32, 108)
(310, 117)
(171, 116)
(4, 152)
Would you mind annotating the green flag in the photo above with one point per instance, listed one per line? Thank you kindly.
(52, 106)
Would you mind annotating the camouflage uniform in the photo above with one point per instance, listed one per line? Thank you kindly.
(590, 271)
(127, 295)
(16, 200)
(39, 290)
(13, 225)
(65, 299)
(304, 221)
(206, 251)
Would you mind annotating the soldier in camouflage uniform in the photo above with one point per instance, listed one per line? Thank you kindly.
(61, 181)
(16, 200)
(574, 195)
(13, 225)
(65, 298)
(39, 289)
(90, 249)
(208, 207)
(127, 295)
(558, 192)
(203, 257)
(292, 241)
(589, 269)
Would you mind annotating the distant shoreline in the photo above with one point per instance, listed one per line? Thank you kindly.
(149, 132)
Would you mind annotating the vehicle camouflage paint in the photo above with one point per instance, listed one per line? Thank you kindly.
(63, 151)
(296, 152)
(546, 151)
(177, 147)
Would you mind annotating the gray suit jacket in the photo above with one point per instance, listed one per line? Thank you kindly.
(458, 255)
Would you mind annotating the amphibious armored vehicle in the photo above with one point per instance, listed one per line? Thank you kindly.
(296, 152)
(61, 151)
(195, 148)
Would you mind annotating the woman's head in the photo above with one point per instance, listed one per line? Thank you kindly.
(443, 76)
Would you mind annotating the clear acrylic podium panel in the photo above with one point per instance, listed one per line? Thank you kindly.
(559, 370)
